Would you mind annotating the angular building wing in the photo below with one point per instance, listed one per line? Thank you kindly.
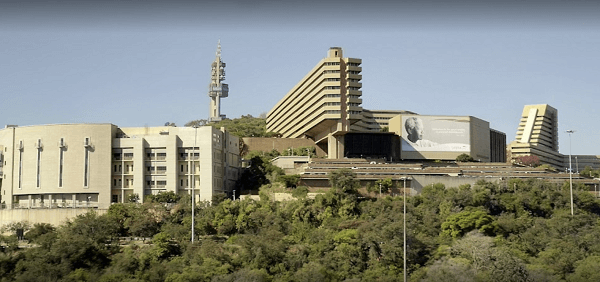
(323, 105)
(537, 135)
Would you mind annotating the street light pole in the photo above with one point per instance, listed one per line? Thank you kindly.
(570, 170)
(404, 225)
(194, 179)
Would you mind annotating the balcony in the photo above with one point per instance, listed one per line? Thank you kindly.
(221, 91)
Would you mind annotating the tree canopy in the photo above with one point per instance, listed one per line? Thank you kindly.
(516, 230)
(244, 126)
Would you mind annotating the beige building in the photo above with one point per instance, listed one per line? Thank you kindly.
(425, 137)
(537, 135)
(376, 121)
(93, 165)
(326, 107)
(323, 105)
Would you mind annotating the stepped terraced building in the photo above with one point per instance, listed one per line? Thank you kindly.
(537, 135)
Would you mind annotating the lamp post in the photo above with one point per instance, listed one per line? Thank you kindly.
(404, 225)
(570, 170)
(194, 179)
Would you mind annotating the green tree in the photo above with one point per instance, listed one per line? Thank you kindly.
(464, 158)
(458, 224)
(384, 185)
(196, 123)
(289, 181)
(164, 197)
(38, 230)
(344, 180)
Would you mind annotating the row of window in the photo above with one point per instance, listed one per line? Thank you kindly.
(122, 156)
(332, 63)
(354, 64)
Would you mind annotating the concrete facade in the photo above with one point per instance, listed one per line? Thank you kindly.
(323, 105)
(483, 143)
(537, 135)
(93, 165)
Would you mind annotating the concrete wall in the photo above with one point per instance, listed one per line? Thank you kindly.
(55, 217)
(420, 181)
(279, 144)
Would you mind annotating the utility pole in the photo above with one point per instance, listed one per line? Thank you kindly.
(404, 225)
(570, 170)
(194, 179)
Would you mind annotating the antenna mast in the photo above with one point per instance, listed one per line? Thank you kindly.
(216, 89)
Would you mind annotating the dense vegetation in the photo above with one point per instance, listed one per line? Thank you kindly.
(244, 126)
(512, 231)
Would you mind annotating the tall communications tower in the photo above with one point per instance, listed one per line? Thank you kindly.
(216, 89)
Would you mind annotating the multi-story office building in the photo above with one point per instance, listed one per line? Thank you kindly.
(93, 165)
(537, 135)
(323, 105)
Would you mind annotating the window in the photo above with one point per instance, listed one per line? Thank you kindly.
(115, 198)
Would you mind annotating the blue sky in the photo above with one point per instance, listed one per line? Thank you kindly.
(137, 63)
